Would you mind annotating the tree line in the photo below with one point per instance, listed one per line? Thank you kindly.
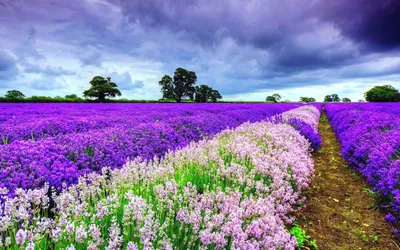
(182, 88)
(385, 93)
(177, 89)
(275, 98)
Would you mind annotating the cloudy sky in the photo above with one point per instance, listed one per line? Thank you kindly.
(247, 49)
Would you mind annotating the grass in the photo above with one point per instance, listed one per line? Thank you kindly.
(371, 239)
(303, 240)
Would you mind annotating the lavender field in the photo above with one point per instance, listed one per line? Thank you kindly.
(370, 140)
(58, 143)
(154, 176)
(163, 125)
(187, 176)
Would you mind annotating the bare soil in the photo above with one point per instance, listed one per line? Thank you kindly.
(340, 212)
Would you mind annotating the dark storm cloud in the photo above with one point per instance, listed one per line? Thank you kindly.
(271, 23)
(275, 26)
(373, 23)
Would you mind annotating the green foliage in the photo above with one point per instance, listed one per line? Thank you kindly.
(332, 98)
(277, 97)
(205, 93)
(371, 193)
(302, 238)
(307, 99)
(41, 98)
(49, 99)
(72, 96)
(215, 95)
(270, 99)
(371, 239)
(385, 93)
(101, 88)
(345, 99)
(313, 244)
(273, 98)
(179, 87)
(14, 95)
(202, 93)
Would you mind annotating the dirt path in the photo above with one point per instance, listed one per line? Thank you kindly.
(339, 212)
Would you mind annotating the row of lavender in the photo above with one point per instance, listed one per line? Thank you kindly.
(370, 139)
(41, 121)
(60, 142)
(234, 191)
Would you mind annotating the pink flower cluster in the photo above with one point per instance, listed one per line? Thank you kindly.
(235, 191)
(308, 114)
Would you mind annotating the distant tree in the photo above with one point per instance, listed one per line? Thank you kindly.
(101, 88)
(361, 100)
(307, 99)
(277, 97)
(345, 99)
(167, 87)
(273, 98)
(36, 98)
(332, 98)
(204, 93)
(385, 93)
(270, 98)
(181, 86)
(14, 95)
(71, 96)
(215, 95)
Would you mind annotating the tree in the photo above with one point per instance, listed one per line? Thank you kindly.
(273, 98)
(202, 93)
(167, 87)
(307, 99)
(345, 99)
(101, 88)
(385, 93)
(215, 95)
(14, 95)
(181, 86)
(270, 98)
(332, 98)
(205, 93)
(71, 96)
(277, 97)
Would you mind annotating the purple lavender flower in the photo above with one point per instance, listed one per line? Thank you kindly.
(308, 132)
(370, 140)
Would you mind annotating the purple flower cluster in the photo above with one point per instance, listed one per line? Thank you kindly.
(57, 143)
(304, 120)
(370, 139)
(308, 132)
